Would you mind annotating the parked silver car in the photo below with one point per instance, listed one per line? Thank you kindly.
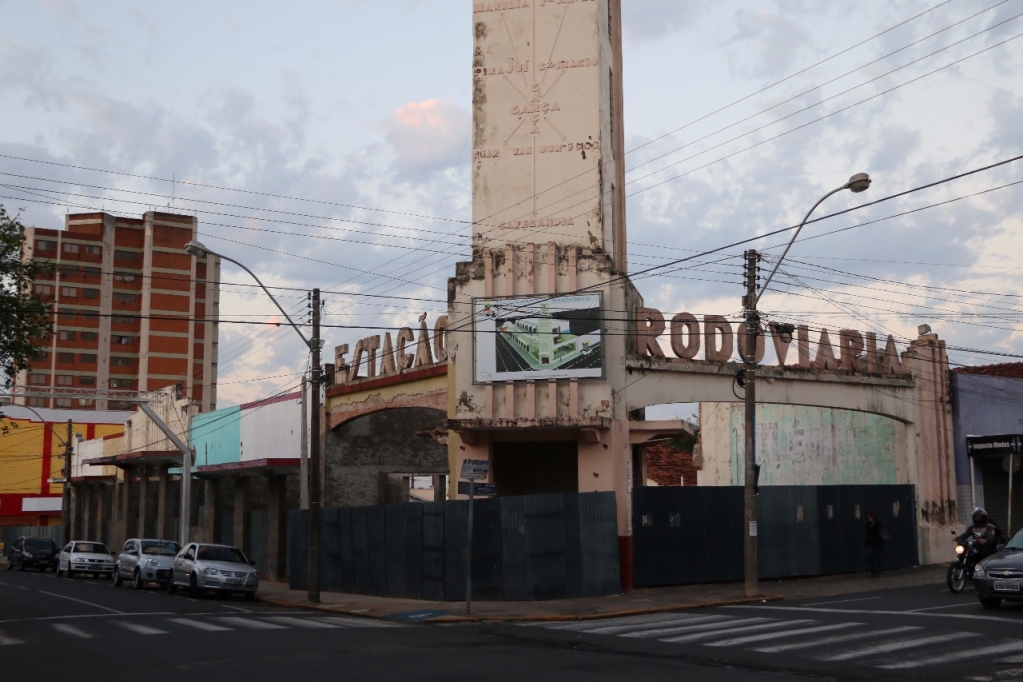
(220, 568)
(82, 556)
(143, 561)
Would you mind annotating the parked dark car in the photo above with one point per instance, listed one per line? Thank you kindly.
(1000, 576)
(38, 553)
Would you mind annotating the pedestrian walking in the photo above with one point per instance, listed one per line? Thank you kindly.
(874, 536)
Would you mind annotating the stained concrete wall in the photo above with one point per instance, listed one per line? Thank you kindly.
(360, 454)
(802, 446)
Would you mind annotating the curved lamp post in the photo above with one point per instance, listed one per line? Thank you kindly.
(199, 250)
(857, 183)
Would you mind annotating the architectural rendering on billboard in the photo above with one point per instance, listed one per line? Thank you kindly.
(540, 337)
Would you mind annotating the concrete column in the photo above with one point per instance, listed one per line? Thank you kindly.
(127, 523)
(161, 504)
(101, 535)
(86, 490)
(211, 511)
(277, 527)
(143, 488)
(242, 518)
(440, 488)
(72, 512)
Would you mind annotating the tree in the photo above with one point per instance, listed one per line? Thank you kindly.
(24, 318)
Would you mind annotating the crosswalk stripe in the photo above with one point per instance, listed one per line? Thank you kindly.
(839, 639)
(302, 622)
(71, 630)
(624, 620)
(700, 627)
(948, 657)
(250, 623)
(197, 624)
(697, 636)
(140, 629)
(6, 641)
(738, 641)
(360, 622)
(896, 646)
(639, 627)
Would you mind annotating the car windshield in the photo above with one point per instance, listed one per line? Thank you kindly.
(91, 548)
(229, 554)
(1016, 542)
(160, 547)
(39, 543)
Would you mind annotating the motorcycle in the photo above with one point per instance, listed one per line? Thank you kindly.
(961, 569)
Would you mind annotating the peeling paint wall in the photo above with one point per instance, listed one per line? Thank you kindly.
(802, 446)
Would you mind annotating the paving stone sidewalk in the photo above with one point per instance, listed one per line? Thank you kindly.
(636, 602)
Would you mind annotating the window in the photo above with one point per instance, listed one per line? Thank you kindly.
(91, 272)
(43, 289)
(86, 381)
(93, 250)
(120, 405)
(90, 293)
(67, 314)
(63, 402)
(37, 402)
(126, 255)
(87, 358)
(86, 402)
(124, 298)
(121, 362)
(122, 319)
(67, 336)
(70, 248)
(69, 292)
(37, 379)
(89, 314)
(124, 277)
(44, 245)
(40, 356)
(65, 380)
(89, 336)
(65, 357)
(120, 383)
(124, 341)
(69, 270)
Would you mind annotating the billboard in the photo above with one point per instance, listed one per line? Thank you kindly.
(538, 337)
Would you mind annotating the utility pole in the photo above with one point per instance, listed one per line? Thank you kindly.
(749, 304)
(303, 462)
(66, 516)
(313, 590)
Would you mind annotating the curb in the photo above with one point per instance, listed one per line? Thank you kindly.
(534, 619)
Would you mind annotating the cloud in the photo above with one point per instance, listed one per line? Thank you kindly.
(647, 20)
(426, 136)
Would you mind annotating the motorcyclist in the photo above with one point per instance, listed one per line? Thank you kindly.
(984, 533)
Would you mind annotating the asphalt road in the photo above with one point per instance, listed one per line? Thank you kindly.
(508, 358)
(83, 629)
(923, 633)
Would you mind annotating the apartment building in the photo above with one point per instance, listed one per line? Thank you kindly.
(132, 311)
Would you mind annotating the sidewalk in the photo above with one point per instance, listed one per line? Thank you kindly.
(639, 601)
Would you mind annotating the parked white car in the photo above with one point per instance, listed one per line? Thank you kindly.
(143, 561)
(220, 568)
(85, 556)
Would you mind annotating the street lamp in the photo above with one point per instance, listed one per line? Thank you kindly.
(857, 183)
(199, 250)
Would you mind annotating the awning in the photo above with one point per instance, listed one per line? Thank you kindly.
(138, 458)
(253, 467)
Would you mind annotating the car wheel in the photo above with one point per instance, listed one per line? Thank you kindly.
(118, 580)
(138, 580)
(956, 578)
(21, 566)
(54, 568)
(990, 602)
(193, 585)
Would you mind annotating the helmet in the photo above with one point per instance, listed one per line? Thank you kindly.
(979, 516)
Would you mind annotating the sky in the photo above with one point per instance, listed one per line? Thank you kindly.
(327, 144)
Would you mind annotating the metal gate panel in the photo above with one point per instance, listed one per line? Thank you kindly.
(788, 542)
(360, 549)
(394, 555)
(298, 548)
(598, 543)
(433, 550)
(376, 535)
(412, 550)
(545, 547)
(347, 551)
(486, 550)
(513, 548)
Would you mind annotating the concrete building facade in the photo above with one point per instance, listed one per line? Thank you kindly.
(132, 311)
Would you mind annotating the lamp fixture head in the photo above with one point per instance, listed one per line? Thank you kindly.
(196, 249)
(859, 182)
